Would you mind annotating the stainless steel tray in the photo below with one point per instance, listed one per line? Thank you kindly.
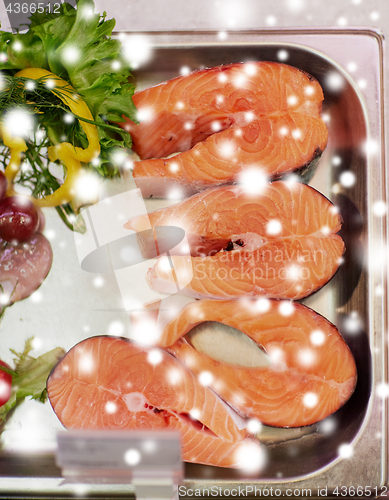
(355, 300)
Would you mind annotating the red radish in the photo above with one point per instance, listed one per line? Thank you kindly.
(5, 384)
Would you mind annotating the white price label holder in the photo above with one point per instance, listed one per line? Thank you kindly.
(149, 460)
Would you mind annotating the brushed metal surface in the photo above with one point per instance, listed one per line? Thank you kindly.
(311, 461)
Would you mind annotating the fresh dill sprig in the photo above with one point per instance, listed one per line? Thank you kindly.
(20, 91)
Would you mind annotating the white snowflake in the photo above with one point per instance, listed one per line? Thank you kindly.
(310, 399)
(294, 272)
(306, 357)
(286, 308)
(327, 426)
(175, 194)
(282, 55)
(195, 414)
(292, 100)
(110, 407)
(205, 378)
(30, 85)
(86, 363)
(352, 67)
(98, 281)
(70, 54)
(251, 457)
(362, 83)
(382, 390)
(317, 337)
(145, 114)
(336, 161)
(334, 81)
(154, 357)
(146, 332)
(36, 297)
(149, 446)
(254, 426)
(347, 179)
(263, 305)
(87, 186)
(271, 20)
(342, 21)
(353, 323)
(379, 208)
(253, 180)
(17, 46)
(370, 147)
(174, 376)
(273, 227)
(379, 291)
(137, 50)
(19, 123)
(345, 450)
(296, 5)
(132, 457)
(68, 118)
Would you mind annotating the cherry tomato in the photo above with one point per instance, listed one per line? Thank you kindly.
(3, 185)
(19, 219)
(5, 384)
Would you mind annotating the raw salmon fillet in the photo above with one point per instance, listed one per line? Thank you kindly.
(281, 243)
(112, 383)
(223, 120)
(312, 371)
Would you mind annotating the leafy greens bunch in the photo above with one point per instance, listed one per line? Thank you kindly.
(75, 45)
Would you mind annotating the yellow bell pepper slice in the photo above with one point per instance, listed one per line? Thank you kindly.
(68, 154)
(16, 146)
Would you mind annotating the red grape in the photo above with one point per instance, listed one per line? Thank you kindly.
(42, 220)
(5, 384)
(19, 219)
(3, 185)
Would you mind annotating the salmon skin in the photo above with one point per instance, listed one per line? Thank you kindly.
(281, 243)
(312, 372)
(223, 120)
(112, 383)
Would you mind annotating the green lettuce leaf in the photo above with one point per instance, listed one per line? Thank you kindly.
(30, 376)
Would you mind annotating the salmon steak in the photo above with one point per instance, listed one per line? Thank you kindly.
(282, 243)
(311, 371)
(113, 384)
(223, 120)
